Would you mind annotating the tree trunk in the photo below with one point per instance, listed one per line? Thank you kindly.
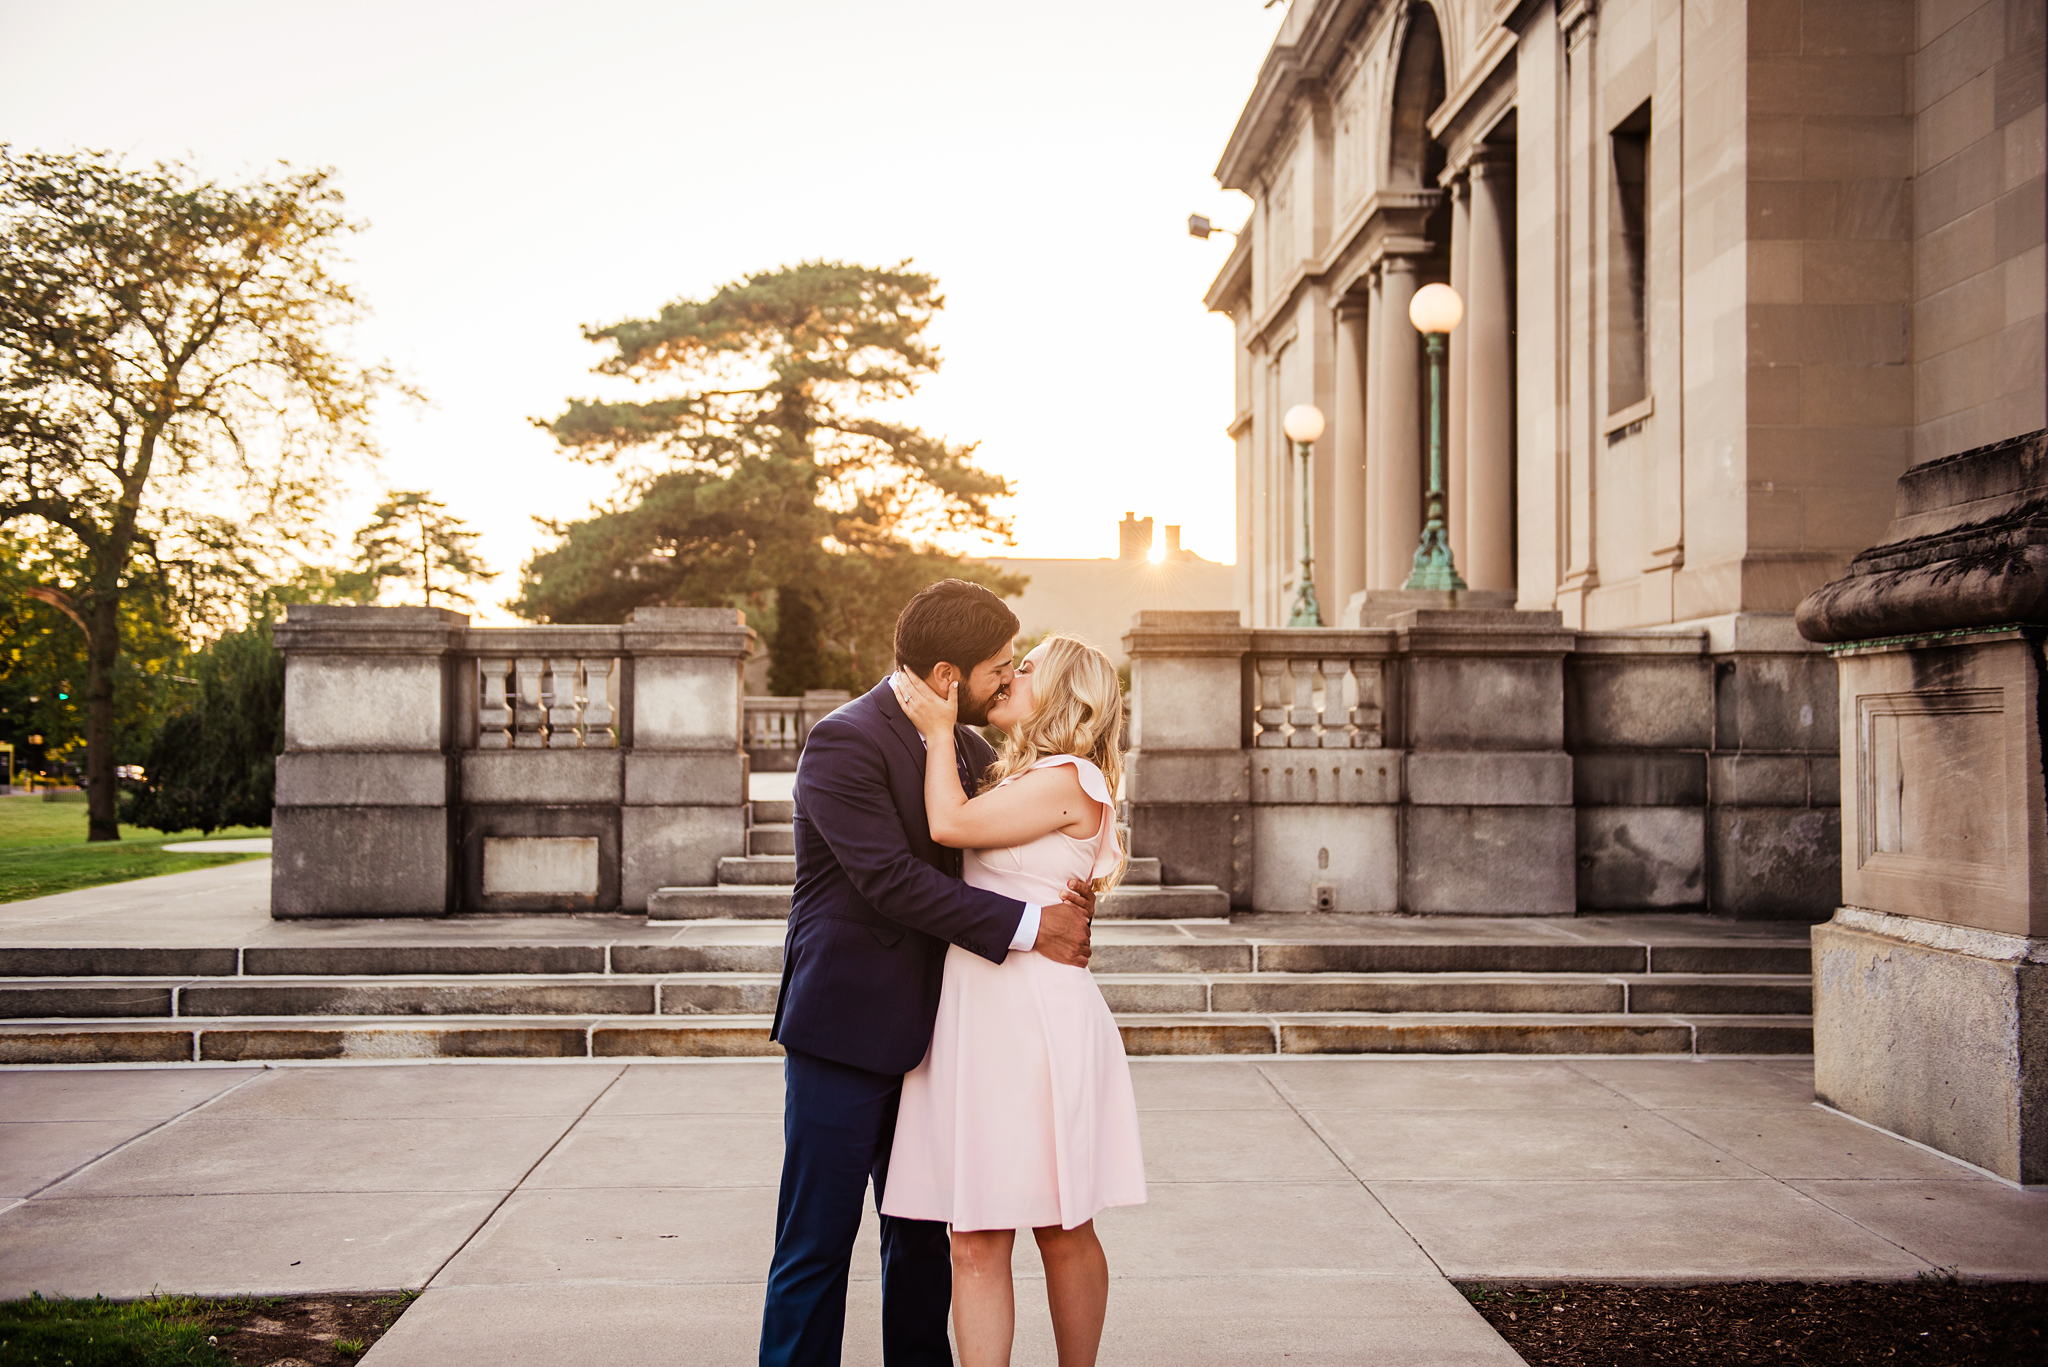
(102, 650)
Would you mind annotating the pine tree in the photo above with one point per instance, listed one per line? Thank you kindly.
(411, 537)
(770, 462)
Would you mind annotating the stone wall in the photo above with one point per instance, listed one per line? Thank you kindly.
(430, 767)
(1492, 763)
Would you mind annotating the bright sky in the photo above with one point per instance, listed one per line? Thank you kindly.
(528, 168)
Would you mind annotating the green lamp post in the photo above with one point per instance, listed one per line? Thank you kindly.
(1303, 424)
(1435, 311)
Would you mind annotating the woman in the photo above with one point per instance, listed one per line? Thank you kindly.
(1022, 1112)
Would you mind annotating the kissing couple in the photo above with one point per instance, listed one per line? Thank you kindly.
(944, 1038)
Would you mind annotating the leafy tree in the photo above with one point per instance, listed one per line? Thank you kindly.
(213, 762)
(411, 537)
(174, 398)
(767, 474)
(43, 662)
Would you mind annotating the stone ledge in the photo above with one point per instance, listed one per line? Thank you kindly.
(1946, 936)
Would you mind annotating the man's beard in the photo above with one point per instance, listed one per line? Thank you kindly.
(974, 711)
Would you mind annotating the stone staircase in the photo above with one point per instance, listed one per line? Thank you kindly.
(576, 987)
(756, 886)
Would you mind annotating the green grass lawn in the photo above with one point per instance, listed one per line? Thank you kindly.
(43, 850)
(97, 1333)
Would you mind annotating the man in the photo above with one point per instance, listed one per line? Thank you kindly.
(876, 903)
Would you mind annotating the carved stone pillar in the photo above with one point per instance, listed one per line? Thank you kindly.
(1397, 483)
(1581, 561)
(1375, 314)
(1487, 556)
(1459, 375)
(1349, 549)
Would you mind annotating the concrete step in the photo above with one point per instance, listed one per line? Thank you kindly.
(776, 839)
(754, 944)
(271, 1039)
(757, 870)
(771, 813)
(736, 901)
(1141, 871)
(729, 990)
(780, 869)
(672, 906)
(1183, 902)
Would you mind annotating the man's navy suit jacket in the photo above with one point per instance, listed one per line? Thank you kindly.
(877, 900)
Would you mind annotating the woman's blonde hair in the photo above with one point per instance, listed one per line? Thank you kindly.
(1077, 708)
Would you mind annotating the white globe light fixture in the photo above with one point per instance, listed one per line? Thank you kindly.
(1435, 311)
(1303, 424)
(1436, 308)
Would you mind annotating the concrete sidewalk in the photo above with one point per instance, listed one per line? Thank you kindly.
(1307, 1210)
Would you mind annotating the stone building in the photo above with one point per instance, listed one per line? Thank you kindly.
(1730, 266)
(1096, 598)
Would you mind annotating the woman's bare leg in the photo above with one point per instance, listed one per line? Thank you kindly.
(984, 1301)
(1077, 1284)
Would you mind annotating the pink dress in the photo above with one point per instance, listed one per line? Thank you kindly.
(1022, 1113)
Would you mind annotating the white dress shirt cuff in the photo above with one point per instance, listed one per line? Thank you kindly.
(1027, 929)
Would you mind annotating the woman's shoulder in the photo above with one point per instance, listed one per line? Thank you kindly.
(1093, 782)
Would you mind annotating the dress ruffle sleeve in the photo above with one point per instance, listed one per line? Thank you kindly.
(1096, 785)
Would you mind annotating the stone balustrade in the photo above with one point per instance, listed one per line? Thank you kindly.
(1485, 761)
(535, 703)
(432, 767)
(776, 728)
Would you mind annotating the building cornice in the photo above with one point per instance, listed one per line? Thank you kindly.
(1319, 43)
(1387, 224)
(1489, 68)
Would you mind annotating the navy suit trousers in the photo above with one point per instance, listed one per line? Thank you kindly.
(838, 1122)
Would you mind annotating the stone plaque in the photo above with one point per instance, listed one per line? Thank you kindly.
(1932, 771)
(533, 865)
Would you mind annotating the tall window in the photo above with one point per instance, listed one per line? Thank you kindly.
(1627, 277)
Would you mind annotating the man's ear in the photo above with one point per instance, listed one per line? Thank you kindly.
(943, 673)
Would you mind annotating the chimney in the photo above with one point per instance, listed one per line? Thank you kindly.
(1134, 537)
(1173, 551)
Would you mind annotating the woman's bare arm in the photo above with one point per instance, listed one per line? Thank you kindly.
(1034, 804)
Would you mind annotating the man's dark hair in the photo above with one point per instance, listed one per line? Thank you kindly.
(954, 621)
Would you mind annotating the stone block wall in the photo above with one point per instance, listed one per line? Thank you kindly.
(1489, 763)
(1980, 223)
(432, 768)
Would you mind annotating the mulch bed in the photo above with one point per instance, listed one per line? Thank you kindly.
(303, 1331)
(1937, 1323)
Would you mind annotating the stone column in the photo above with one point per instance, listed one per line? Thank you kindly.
(1457, 367)
(1582, 226)
(686, 776)
(1375, 468)
(1930, 985)
(1397, 525)
(1487, 555)
(362, 823)
(1347, 444)
(1188, 781)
